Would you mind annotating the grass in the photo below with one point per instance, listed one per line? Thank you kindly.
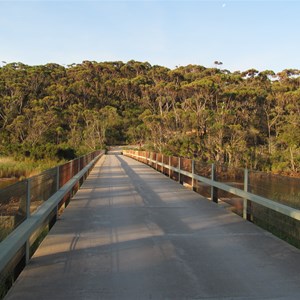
(20, 169)
(9, 168)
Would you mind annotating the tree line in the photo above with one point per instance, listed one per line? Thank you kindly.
(242, 119)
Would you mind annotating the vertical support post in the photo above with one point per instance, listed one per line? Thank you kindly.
(72, 170)
(214, 191)
(169, 166)
(28, 200)
(57, 186)
(78, 170)
(155, 160)
(193, 173)
(162, 162)
(57, 178)
(247, 208)
(179, 168)
(246, 190)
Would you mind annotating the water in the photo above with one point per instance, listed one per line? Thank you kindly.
(6, 182)
(282, 189)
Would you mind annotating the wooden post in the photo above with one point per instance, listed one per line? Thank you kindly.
(214, 191)
(169, 166)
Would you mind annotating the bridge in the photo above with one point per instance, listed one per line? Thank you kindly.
(132, 233)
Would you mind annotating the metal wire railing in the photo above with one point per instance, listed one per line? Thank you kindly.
(271, 201)
(30, 206)
(20, 200)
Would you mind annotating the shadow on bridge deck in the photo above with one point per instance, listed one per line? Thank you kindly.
(132, 233)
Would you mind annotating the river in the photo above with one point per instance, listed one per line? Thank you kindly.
(6, 182)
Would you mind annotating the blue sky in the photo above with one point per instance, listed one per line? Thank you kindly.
(242, 34)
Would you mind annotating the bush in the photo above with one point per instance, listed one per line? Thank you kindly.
(65, 153)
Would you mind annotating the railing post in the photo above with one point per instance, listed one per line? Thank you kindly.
(193, 173)
(247, 205)
(246, 190)
(162, 163)
(71, 169)
(214, 191)
(57, 188)
(57, 178)
(28, 200)
(155, 160)
(28, 197)
(169, 166)
(179, 168)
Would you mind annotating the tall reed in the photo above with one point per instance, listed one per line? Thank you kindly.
(11, 168)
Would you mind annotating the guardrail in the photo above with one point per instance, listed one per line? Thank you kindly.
(185, 170)
(33, 204)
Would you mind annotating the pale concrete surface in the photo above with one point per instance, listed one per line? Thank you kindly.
(131, 233)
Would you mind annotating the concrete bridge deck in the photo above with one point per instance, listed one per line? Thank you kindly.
(132, 233)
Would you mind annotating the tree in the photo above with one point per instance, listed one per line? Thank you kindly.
(241, 118)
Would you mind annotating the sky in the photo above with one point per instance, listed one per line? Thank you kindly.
(264, 35)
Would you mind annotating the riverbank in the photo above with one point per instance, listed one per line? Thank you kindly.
(288, 174)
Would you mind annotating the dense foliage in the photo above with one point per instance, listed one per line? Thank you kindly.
(246, 118)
